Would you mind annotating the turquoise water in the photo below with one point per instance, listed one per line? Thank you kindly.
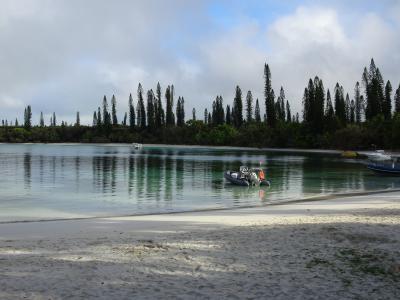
(53, 181)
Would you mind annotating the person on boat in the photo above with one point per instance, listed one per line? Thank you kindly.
(244, 172)
(261, 175)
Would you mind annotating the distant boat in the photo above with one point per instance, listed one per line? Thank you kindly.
(349, 154)
(379, 155)
(137, 146)
(385, 168)
(384, 164)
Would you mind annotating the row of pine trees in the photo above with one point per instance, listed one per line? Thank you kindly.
(322, 111)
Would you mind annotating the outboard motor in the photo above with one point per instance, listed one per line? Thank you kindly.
(254, 179)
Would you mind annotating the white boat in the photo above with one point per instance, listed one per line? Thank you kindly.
(379, 155)
(137, 146)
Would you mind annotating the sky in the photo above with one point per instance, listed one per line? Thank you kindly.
(63, 55)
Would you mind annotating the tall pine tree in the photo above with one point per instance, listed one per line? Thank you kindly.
(218, 113)
(151, 116)
(249, 107)
(340, 106)
(106, 114)
(78, 119)
(280, 106)
(329, 112)
(28, 117)
(180, 112)
(352, 111)
(319, 104)
(114, 110)
(238, 108)
(288, 112)
(374, 85)
(170, 118)
(159, 111)
(99, 118)
(228, 115)
(41, 123)
(387, 104)
(347, 108)
(358, 103)
(257, 113)
(269, 97)
(132, 115)
(194, 114)
(141, 111)
(397, 100)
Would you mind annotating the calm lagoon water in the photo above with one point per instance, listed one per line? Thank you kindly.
(55, 181)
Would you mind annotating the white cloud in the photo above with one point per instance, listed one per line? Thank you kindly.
(308, 27)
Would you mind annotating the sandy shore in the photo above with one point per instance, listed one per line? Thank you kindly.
(345, 248)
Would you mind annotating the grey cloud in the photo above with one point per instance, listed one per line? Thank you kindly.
(64, 55)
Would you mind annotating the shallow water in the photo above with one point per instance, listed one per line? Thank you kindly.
(55, 181)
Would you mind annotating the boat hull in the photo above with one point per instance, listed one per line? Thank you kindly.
(243, 182)
(236, 181)
(265, 183)
(384, 170)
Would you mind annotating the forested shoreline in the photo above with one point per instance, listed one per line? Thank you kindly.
(366, 118)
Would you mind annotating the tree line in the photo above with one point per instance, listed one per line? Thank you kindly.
(369, 116)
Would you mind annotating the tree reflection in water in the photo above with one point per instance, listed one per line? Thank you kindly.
(113, 180)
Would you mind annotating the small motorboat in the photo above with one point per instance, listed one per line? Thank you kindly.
(137, 146)
(235, 178)
(247, 177)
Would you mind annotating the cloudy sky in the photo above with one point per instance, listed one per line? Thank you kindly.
(64, 55)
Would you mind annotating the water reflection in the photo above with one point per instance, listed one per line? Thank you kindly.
(77, 160)
(27, 170)
(114, 180)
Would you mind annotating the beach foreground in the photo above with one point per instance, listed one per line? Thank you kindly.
(334, 249)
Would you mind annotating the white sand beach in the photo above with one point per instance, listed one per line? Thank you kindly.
(343, 248)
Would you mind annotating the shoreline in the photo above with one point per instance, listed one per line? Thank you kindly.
(294, 150)
(363, 153)
(294, 201)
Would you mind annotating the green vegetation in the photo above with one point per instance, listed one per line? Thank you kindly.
(328, 121)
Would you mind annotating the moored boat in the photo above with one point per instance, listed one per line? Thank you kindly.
(379, 155)
(234, 178)
(384, 164)
(137, 146)
(349, 154)
(385, 168)
(247, 177)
